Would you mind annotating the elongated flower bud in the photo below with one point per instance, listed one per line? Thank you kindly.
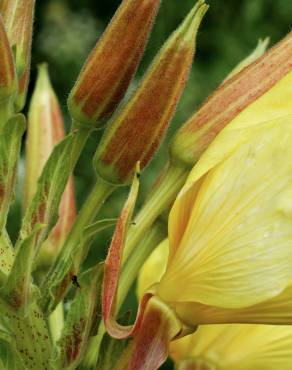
(18, 20)
(230, 100)
(7, 69)
(45, 130)
(138, 128)
(110, 67)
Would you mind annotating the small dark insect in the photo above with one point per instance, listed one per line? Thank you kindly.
(75, 281)
(138, 175)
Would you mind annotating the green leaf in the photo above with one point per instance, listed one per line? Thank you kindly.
(45, 204)
(18, 284)
(10, 143)
(6, 253)
(67, 265)
(83, 313)
(31, 339)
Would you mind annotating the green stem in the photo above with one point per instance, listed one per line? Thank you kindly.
(59, 274)
(88, 212)
(81, 136)
(155, 235)
(158, 201)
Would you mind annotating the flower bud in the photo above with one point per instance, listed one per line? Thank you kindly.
(107, 73)
(18, 20)
(7, 69)
(242, 347)
(45, 130)
(233, 99)
(137, 129)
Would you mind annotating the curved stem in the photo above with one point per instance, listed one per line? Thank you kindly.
(158, 201)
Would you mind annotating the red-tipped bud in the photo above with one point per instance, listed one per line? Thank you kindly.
(45, 130)
(7, 70)
(137, 129)
(233, 97)
(18, 20)
(110, 67)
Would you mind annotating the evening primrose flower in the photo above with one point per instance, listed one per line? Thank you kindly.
(230, 232)
(234, 347)
(230, 227)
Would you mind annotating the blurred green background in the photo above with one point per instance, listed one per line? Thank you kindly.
(66, 31)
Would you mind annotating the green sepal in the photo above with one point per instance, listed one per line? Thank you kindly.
(6, 253)
(112, 350)
(31, 339)
(83, 313)
(10, 143)
(45, 204)
(67, 265)
(18, 285)
(8, 354)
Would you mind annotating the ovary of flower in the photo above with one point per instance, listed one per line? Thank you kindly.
(218, 248)
(237, 347)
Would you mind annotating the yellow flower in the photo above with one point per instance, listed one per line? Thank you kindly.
(235, 347)
(230, 228)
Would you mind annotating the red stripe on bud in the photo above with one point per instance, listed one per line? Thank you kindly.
(230, 99)
(138, 128)
(110, 67)
(7, 69)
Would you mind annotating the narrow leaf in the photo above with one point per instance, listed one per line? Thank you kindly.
(59, 280)
(31, 339)
(44, 207)
(80, 318)
(6, 253)
(17, 287)
(112, 270)
(10, 143)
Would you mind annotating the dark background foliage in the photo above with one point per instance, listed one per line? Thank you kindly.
(66, 30)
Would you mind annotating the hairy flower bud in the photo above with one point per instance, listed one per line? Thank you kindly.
(233, 98)
(137, 129)
(18, 20)
(45, 130)
(7, 69)
(107, 73)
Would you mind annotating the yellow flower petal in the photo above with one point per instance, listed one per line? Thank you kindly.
(236, 249)
(277, 311)
(238, 347)
(153, 268)
(273, 104)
